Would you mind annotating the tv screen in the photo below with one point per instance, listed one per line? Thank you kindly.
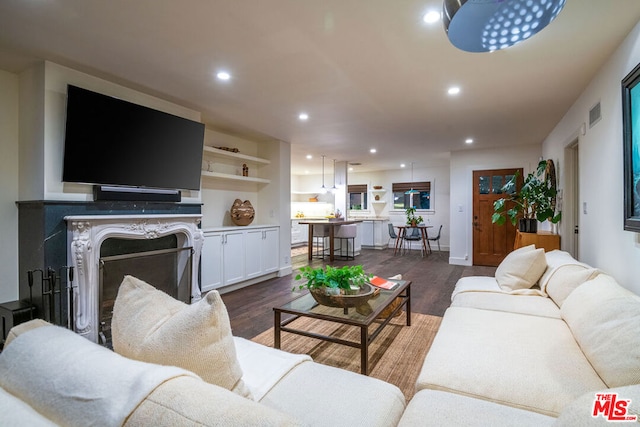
(109, 141)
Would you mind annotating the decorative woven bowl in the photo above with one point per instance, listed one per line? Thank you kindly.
(377, 187)
(358, 299)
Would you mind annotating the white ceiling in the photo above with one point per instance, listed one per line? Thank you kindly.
(369, 73)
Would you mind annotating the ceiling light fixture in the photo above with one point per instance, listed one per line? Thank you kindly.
(334, 188)
(411, 190)
(489, 25)
(373, 151)
(468, 141)
(453, 90)
(223, 75)
(309, 157)
(431, 17)
(323, 189)
(303, 116)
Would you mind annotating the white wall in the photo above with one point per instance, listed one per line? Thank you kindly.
(9, 84)
(603, 242)
(462, 165)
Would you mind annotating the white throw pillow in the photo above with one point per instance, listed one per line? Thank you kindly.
(603, 318)
(151, 326)
(566, 278)
(521, 268)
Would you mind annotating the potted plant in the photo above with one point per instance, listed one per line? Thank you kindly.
(412, 219)
(534, 202)
(337, 286)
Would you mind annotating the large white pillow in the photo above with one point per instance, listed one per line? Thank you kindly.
(604, 319)
(521, 268)
(564, 279)
(151, 326)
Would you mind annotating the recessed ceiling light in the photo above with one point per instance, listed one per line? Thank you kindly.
(468, 141)
(453, 90)
(303, 116)
(431, 17)
(402, 165)
(223, 75)
(373, 150)
(309, 156)
(350, 169)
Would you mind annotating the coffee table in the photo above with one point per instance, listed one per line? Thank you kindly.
(306, 306)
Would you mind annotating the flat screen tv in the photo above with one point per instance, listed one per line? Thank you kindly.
(109, 141)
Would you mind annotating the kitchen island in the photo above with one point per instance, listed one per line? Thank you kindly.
(332, 223)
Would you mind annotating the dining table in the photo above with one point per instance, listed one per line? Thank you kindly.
(402, 232)
(332, 223)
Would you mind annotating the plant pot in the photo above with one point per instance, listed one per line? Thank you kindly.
(358, 299)
(528, 225)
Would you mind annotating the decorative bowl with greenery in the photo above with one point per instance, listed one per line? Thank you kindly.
(412, 219)
(347, 278)
(534, 202)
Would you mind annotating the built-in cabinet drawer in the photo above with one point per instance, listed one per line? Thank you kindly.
(235, 255)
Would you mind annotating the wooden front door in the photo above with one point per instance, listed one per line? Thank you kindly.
(491, 242)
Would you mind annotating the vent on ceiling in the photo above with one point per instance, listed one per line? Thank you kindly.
(594, 115)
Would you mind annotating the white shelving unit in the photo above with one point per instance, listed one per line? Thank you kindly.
(233, 160)
(381, 193)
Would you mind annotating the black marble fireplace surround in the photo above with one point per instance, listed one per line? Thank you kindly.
(42, 235)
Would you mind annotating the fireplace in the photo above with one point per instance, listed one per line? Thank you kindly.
(163, 250)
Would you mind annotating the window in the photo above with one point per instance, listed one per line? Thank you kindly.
(421, 198)
(357, 196)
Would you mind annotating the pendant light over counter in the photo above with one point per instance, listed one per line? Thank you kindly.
(411, 190)
(489, 25)
(334, 188)
(323, 189)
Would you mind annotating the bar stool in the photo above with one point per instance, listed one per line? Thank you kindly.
(320, 240)
(345, 234)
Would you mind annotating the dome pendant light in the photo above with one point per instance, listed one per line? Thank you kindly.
(489, 25)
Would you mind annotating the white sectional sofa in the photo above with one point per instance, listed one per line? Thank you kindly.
(177, 365)
(531, 349)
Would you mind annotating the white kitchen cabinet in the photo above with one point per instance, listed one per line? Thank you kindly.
(375, 234)
(299, 232)
(261, 252)
(234, 255)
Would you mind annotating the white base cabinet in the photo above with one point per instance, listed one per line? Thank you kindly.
(375, 234)
(233, 255)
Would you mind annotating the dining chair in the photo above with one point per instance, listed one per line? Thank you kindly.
(413, 234)
(437, 238)
(393, 235)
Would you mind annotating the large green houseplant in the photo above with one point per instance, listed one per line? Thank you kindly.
(347, 278)
(534, 202)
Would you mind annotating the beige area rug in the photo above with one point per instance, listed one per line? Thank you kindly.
(395, 356)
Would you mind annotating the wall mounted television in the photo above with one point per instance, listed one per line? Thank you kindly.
(112, 142)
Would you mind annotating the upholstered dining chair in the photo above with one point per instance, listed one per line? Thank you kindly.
(437, 238)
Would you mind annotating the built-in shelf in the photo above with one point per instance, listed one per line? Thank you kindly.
(305, 192)
(382, 190)
(236, 160)
(232, 155)
(376, 202)
(218, 175)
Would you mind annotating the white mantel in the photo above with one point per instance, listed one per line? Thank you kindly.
(86, 233)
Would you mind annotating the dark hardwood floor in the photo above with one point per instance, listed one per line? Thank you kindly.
(251, 308)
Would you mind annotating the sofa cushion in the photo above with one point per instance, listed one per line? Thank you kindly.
(72, 381)
(604, 319)
(521, 268)
(321, 395)
(528, 362)
(580, 411)
(565, 278)
(151, 326)
(534, 305)
(191, 402)
(16, 412)
(439, 408)
(555, 259)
